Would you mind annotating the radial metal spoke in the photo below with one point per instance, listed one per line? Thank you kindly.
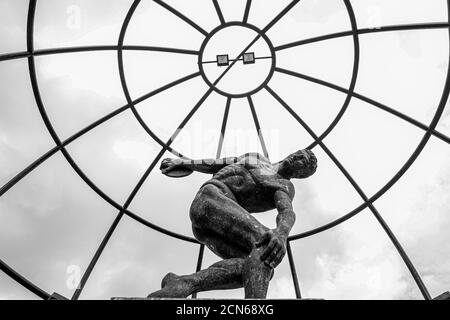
(224, 128)
(238, 58)
(219, 11)
(359, 190)
(248, 6)
(280, 15)
(63, 50)
(166, 87)
(97, 255)
(160, 49)
(260, 34)
(181, 16)
(258, 127)
(54, 51)
(14, 55)
(298, 292)
(441, 136)
(409, 264)
(201, 253)
(11, 183)
(405, 27)
(370, 101)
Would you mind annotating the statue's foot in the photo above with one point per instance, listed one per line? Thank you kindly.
(168, 278)
(173, 286)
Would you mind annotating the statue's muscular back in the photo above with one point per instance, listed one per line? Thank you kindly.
(253, 182)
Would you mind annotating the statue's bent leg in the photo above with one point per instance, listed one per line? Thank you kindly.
(213, 213)
(224, 275)
(232, 233)
(235, 273)
(256, 275)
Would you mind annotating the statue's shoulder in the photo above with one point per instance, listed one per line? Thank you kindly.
(290, 188)
(254, 158)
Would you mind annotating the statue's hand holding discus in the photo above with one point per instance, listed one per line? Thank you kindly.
(175, 168)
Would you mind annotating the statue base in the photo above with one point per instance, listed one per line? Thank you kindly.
(206, 299)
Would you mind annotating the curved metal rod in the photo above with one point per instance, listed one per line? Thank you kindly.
(52, 51)
(330, 225)
(23, 281)
(355, 72)
(124, 84)
(359, 190)
(404, 27)
(370, 101)
(181, 16)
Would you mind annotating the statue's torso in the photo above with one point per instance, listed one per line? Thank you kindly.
(251, 195)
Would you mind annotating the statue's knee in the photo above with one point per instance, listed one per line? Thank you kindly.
(202, 206)
(197, 212)
(254, 261)
(198, 234)
(254, 258)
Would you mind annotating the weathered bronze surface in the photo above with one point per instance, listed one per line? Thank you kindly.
(221, 216)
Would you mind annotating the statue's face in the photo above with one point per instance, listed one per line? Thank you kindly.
(301, 164)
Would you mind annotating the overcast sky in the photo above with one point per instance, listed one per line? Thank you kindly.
(51, 222)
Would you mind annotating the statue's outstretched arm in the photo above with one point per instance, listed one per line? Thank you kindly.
(211, 166)
(207, 166)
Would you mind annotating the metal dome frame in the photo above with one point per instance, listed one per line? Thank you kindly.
(367, 203)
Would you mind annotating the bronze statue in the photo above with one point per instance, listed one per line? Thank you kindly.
(221, 219)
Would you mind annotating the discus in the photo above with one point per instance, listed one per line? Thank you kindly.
(179, 173)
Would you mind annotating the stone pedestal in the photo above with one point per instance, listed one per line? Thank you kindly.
(444, 296)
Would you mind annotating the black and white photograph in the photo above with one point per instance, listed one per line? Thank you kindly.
(234, 152)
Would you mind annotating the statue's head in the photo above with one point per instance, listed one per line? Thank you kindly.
(299, 165)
